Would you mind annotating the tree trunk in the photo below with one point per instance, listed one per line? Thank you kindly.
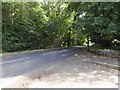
(68, 40)
(88, 47)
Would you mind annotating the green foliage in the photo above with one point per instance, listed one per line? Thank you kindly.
(35, 25)
(100, 21)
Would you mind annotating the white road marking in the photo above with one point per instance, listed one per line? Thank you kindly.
(63, 54)
(55, 52)
(49, 53)
(28, 57)
(63, 51)
(14, 60)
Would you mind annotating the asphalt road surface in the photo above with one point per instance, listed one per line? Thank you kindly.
(23, 63)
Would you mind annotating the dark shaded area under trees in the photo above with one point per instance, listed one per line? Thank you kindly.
(35, 25)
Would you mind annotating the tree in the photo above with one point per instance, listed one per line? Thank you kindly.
(34, 25)
(99, 21)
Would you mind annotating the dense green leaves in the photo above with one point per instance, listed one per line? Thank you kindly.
(34, 25)
(99, 21)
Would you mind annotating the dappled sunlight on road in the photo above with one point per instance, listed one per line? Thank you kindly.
(74, 73)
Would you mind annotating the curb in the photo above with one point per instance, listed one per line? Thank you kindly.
(104, 64)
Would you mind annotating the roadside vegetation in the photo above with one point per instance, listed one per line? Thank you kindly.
(38, 25)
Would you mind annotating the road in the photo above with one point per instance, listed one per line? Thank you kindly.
(67, 67)
(23, 63)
